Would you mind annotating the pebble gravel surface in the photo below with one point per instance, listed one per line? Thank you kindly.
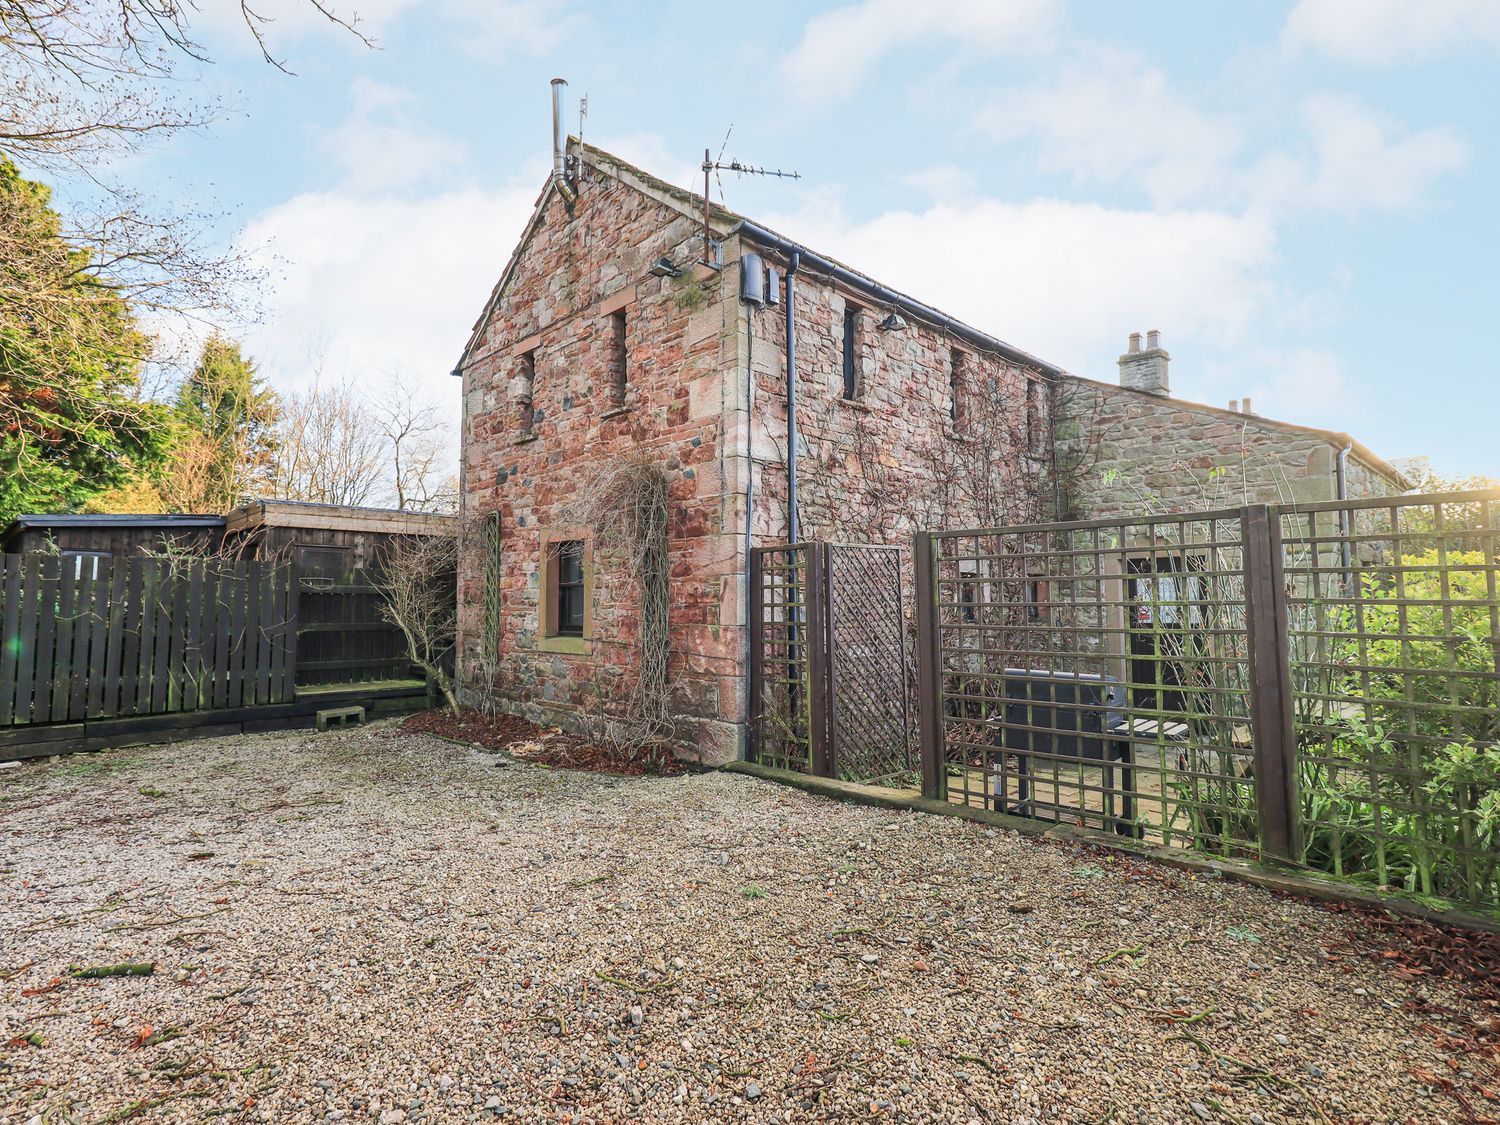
(379, 926)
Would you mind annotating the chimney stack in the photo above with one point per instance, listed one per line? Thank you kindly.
(1145, 370)
(1234, 406)
(1245, 406)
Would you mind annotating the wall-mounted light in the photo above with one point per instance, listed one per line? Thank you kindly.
(894, 322)
(663, 267)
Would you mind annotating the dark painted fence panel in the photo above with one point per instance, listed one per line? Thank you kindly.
(343, 635)
(90, 638)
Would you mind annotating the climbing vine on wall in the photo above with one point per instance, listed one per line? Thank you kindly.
(626, 505)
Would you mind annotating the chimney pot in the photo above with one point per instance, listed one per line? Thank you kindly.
(1245, 406)
(1135, 343)
(1153, 338)
(1234, 405)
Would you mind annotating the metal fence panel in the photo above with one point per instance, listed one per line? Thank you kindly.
(1098, 674)
(1395, 644)
(780, 721)
(869, 718)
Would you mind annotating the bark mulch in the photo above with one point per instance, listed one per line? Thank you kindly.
(1470, 962)
(547, 746)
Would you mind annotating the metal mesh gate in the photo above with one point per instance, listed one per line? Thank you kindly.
(780, 732)
(828, 661)
(869, 732)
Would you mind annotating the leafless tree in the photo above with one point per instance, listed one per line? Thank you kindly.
(84, 80)
(328, 449)
(417, 440)
(417, 580)
(81, 82)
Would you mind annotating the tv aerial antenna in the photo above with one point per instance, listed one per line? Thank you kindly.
(712, 166)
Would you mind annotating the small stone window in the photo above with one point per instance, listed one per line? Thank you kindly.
(525, 393)
(1036, 600)
(851, 360)
(1033, 418)
(617, 372)
(968, 591)
(566, 592)
(957, 376)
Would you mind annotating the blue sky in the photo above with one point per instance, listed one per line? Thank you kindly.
(1301, 196)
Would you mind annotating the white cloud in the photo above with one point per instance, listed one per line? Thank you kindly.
(943, 182)
(382, 148)
(839, 48)
(488, 27)
(1376, 32)
(1066, 281)
(1291, 382)
(1359, 165)
(380, 283)
(1109, 117)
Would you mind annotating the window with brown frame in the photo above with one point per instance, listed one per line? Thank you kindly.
(569, 588)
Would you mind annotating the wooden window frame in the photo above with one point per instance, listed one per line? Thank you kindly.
(548, 638)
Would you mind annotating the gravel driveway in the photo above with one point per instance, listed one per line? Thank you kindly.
(370, 925)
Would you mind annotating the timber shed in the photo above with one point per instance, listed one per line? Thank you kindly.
(111, 536)
(323, 537)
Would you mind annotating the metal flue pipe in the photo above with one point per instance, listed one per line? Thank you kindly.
(560, 145)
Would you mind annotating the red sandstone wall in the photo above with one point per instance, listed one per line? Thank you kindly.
(872, 470)
(680, 332)
(893, 461)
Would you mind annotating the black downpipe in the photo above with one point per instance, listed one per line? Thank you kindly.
(793, 653)
(791, 396)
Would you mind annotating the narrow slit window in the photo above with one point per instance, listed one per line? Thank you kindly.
(1033, 418)
(1036, 599)
(851, 331)
(568, 588)
(956, 377)
(526, 393)
(968, 592)
(619, 358)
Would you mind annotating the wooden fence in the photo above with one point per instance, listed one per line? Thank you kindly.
(342, 635)
(86, 637)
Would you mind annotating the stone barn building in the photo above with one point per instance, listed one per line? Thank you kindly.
(622, 331)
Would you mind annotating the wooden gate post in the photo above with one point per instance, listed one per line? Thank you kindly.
(755, 608)
(929, 677)
(815, 601)
(1272, 722)
(830, 662)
